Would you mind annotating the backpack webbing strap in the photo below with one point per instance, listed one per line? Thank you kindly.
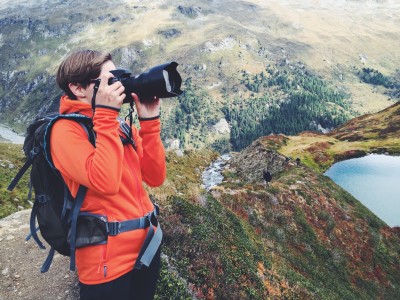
(19, 175)
(153, 238)
(150, 245)
(47, 263)
(33, 228)
(80, 196)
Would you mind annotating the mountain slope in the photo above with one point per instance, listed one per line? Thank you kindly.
(214, 42)
(298, 237)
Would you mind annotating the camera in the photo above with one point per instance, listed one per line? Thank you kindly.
(162, 81)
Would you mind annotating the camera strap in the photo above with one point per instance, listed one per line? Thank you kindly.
(95, 89)
(130, 116)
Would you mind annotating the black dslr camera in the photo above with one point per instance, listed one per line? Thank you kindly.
(162, 81)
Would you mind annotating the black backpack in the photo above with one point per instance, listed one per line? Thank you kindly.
(54, 208)
(61, 224)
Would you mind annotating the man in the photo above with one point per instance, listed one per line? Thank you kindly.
(112, 172)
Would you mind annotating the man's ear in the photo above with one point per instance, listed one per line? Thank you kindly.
(77, 90)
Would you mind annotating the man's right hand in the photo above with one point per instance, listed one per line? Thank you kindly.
(110, 95)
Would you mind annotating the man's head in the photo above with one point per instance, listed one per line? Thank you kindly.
(78, 68)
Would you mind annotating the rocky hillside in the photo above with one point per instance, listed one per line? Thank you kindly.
(299, 236)
(223, 48)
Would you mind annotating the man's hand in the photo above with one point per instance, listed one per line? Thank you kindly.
(110, 95)
(147, 110)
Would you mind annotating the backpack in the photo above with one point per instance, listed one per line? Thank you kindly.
(57, 212)
(53, 204)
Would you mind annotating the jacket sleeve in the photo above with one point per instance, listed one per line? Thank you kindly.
(98, 168)
(151, 152)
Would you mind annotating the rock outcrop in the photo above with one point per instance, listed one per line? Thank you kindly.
(252, 162)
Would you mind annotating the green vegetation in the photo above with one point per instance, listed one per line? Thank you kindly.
(284, 101)
(375, 77)
(322, 255)
(191, 118)
(214, 249)
(170, 285)
(11, 160)
(281, 100)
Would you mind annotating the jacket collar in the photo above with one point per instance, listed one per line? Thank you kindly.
(68, 106)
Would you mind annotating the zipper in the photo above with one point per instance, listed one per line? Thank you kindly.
(103, 261)
(103, 254)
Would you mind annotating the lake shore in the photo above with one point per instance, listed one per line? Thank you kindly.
(372, 179)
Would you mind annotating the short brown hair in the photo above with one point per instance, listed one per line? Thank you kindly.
(80, 67)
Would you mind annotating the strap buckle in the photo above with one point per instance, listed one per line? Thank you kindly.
(156, 209)
(113, 228)
(35, 151)
(43, 198)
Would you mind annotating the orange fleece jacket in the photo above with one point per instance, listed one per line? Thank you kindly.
(113, 174)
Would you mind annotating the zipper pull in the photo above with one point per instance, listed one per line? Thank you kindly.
(105, 270)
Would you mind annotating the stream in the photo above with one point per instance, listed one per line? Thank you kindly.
(212, 176)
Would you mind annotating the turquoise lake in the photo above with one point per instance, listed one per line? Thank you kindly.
(375, 181)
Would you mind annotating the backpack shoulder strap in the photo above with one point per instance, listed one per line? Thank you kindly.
(80, 196)
(30, 148)
(84, 121)
(87, 125)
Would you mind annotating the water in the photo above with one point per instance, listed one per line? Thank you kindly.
(10, 136)
(212, 175)
(375, 181)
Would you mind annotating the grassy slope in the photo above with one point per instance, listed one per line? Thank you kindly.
(302, 237)
(366, 134)
(11, 159)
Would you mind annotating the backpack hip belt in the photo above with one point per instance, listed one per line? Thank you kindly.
(91, 223)
(152, 240)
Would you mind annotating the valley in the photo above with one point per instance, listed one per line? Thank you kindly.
(286, 86)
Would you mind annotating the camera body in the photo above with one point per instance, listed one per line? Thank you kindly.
(162, 81)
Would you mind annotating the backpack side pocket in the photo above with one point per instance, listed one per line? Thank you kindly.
(91, 230)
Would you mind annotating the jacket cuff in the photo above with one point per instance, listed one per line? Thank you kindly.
(107, 107)
(150, 126)
(149, 119)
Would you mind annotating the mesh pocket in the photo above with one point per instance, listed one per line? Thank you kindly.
(91, 230)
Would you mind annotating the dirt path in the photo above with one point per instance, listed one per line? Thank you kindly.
(20, 263)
